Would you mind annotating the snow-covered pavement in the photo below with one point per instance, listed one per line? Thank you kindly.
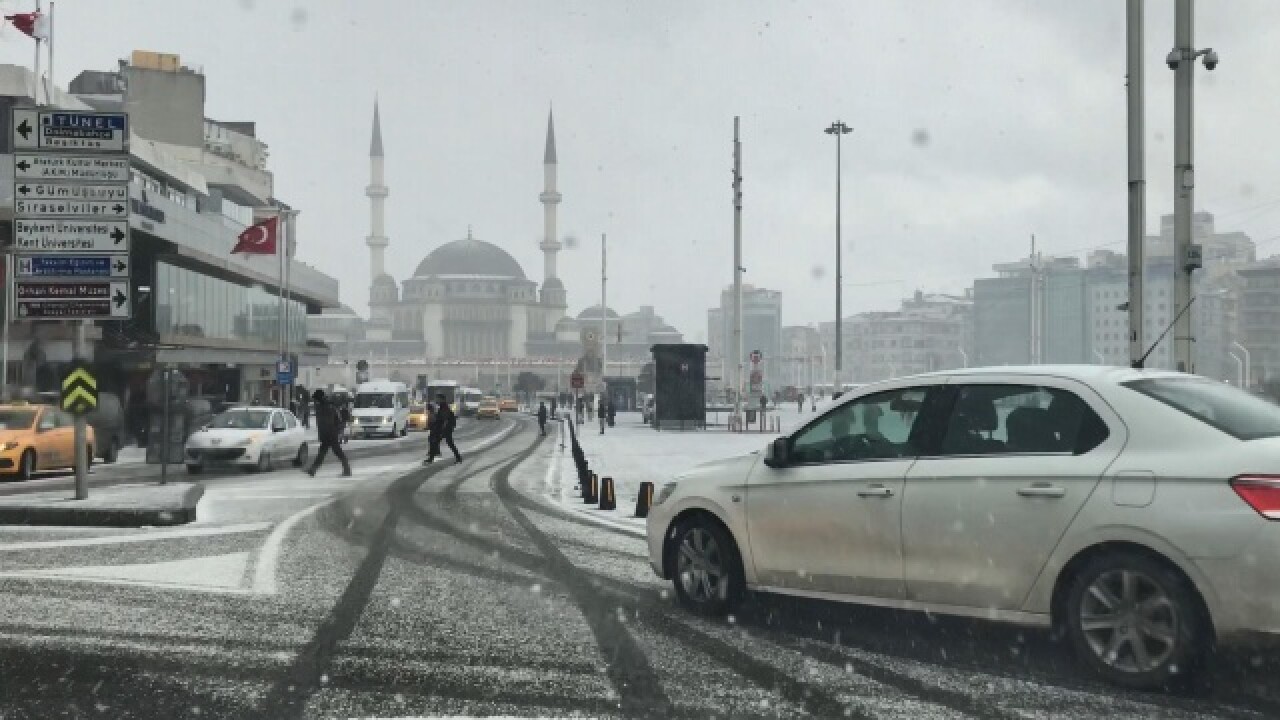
(632, 452)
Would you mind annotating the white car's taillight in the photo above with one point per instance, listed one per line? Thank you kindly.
(1262, 492)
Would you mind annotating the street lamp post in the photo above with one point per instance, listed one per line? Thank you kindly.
(838, 128)
(1239, 369)
(1248, 364)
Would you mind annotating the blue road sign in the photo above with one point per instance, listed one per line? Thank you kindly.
(284, 372)
(79, 266)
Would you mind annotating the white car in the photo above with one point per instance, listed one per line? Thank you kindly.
(248, 437)
(1136, 511)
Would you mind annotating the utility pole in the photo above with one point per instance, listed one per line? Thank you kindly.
(1137, 179)
(604, 315)
(737, 269)
(1186, 256)
(1036, 349)
(838, 128)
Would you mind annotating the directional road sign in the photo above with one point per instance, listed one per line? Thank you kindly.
(90, 300)
(63, 207)
(78, 266)
(68, 130)
(78, 168)
(79, 390)
(72, 236)
(72, 191)
(71, 215)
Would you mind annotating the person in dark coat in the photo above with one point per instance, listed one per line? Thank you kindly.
(329, 431)
(613, 413)
(542, 417)
(304, 407)
(582, 409)
(443, 421)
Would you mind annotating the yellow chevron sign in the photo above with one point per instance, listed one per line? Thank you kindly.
(79, 390)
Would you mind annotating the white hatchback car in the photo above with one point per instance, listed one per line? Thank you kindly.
(1134, 510)
(248, 437)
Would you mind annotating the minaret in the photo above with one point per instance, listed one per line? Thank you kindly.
(377, 193)
(550, 198)
(554, 299)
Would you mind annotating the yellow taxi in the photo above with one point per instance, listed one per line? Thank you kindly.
(419, 417)
(508, 405)
(37, 437)
(488, 408)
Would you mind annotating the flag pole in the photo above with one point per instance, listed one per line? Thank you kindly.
(35, 77)
(51, 86)
(280, 253)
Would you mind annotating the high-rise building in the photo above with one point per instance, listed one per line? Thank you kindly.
(761, 331)
(1052, 310)
(929, 331)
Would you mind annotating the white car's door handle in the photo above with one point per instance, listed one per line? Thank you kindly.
(875, 491)
(1049, 491)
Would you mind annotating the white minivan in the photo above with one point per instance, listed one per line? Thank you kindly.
(381, 408)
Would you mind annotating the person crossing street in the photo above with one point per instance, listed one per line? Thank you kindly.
(329, 431)
(542, 417)
(443, 422)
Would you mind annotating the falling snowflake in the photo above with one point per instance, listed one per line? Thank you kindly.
(395, 602)
(536, 588)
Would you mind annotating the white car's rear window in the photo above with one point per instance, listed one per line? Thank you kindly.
(1225, 407)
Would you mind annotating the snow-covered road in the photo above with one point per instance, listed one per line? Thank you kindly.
(464, 591)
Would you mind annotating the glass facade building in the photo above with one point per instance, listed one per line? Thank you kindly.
(194, 305)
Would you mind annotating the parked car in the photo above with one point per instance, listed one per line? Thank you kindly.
(107, 420)
(1137, 511)
(252, 438)
(37, 437)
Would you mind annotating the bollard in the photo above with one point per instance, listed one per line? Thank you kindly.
(591, 490)
(644, 500)
(607, 499)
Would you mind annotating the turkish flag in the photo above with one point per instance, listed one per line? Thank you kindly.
(258, 239)
(31, 24)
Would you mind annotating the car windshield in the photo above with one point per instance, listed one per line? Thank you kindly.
(241, 420)
(1229, 409)
(16, 419)
(375, 400)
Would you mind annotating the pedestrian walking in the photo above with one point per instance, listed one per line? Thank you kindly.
(800, 403)
(329, 430)
(542, 417)
(591, 411)
(764, 405)
(306, 411)
(554, 408)
(443, 422)
(613, 414)
(581, 409)
(602, 412)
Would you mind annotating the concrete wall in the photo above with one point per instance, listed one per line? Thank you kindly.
(166, 106)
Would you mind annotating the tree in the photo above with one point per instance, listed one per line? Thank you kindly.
(529, 383)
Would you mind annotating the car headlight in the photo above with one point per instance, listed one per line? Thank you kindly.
(665, 492)
(11, 445)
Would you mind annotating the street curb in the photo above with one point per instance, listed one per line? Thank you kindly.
(177, 509)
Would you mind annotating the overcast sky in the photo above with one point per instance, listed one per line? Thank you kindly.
(976, 124)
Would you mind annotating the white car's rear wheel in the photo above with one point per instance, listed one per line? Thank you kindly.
(1136, 621)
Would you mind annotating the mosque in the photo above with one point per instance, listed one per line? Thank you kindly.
(469, 299)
